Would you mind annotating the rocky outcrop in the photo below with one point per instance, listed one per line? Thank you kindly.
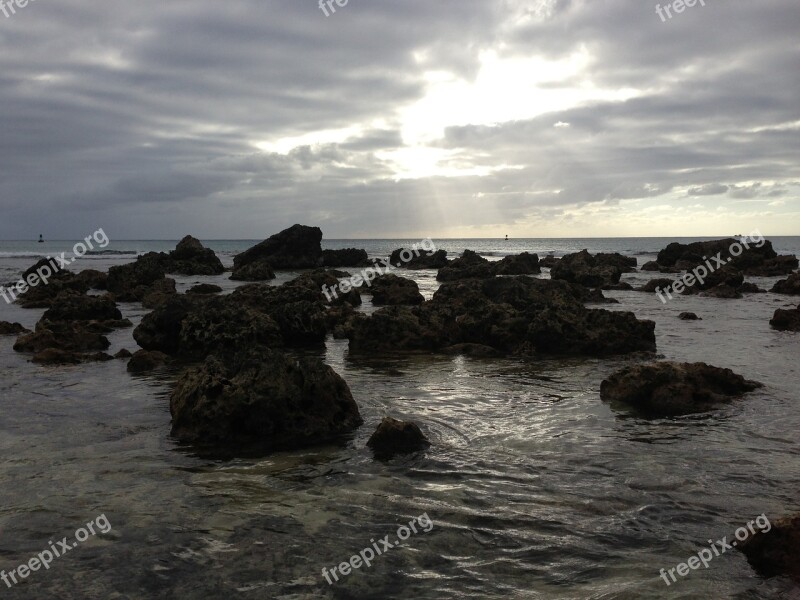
(790, 285)
(7, 328)
(346, 257)
(259, 401)
(519, 264)
(518, 316)
(295, 248)
(133, 281)
(470, 265)
(392, 290)
(204, 289)
(775, 550)
(584, 269)
(757, 261)
(190, 257)
(405, 258)
(257, 271)
(666, 389)
(72, 336)
(548, 261)
(786, 320)
(393, 437)
(72, 306)
(145, 361)
(627, 264)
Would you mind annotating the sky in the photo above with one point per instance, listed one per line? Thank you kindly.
(399, 118)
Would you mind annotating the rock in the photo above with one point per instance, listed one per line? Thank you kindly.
(689, 316)
(42, 267)
(94, 279)
(72, 336)
(353, 298)
(123, 354)
(520, 264)
(722, 291)
(727, 275)
(519, 316)
(775, 550)
(7, 328)
(663, 284)
(393, 437)
(133, 281)
(786, 320)
(627, 264)
(419, 259)
(204, 288)
(468, 266)
(190, 257)
(393, 290)
(144, 361)
(548, 261)
(790, 285)
(750, 288)
(755, 261)
(474, 350)
(621, 286)
(70, 305)
(54, 356)
(651, 266)
(584, 269)
(666, 389)
(98, 357)
(42, 295)
(346, 257)
(596, 297)
(257, 271)
(295, 248)
(260, 401)
(159, 293)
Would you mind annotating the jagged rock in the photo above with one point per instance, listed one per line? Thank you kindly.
(584, 269)
(727, 275)
(420, 259)
(689, 316)
(393, 437)
(790, 285)
(548, 261)
(72, 336)
(520, 264)
(69, 305)
(94, 279)
(204, 288)
(144, 361)
(257, 271)
(42, 295)
(627, 264)
(259, 401)
(775, 550)
(159, 293)
(755, 261)
(7, 328)
(346, 257)
(469, 265)
(295, 248)
(393, 290)
(42, 266)
(671, 389)
(786, 320)
(133, 281)
(190, 257)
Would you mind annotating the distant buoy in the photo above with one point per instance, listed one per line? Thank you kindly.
(41, 239)
(506, 237)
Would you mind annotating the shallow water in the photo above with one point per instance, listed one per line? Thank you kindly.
(536, 488)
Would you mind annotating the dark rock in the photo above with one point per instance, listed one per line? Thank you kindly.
(54, 356)
(419, 259)
(786, 320)
(347, 257)
(755, 261)
(520, 264)
(42, 267)
(727, 275)
(750, 288)
(626, 264)
(261, 400)
(133, 281)
(670, 389)
(621, 286)
(204, 288)
(722, 291)
(98, 357)
(7, 328)
(190, 257)
(94, 279)
(393, 437)
(689, 316)
(144, 361)
(469, 265)
(70, 305)
(474, 350)
(584, 269)
(257, 271)
(790, 285)
(651, 266)
(295, 248)
(662, 284)
(42, 295)
(393, 290)
(159, 293)
(72, 336)
(775, 550)
(548, 261)
(124, 353)
(596, 297)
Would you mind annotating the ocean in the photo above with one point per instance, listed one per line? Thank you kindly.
(535, 487)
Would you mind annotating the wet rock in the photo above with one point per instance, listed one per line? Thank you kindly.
(469, 265)
(393, 291)
(621, 286)
(651, 266)
(204, 288)
(7, 328)
(584, 269)
(671, 389)
(393, 437)
(786, 320)
(626, 264)
(295, 248)
(257, 271)
(72, 336)
(722, 291)
(727, 275)
(159, 293)
(790, 285)
(474, 350)
(145, 361)
(347, 257)
(689, 316)
(42, 267)
(54, 356)
(662, 284)
(776, 551)
(596, 297)
(520, 264)
(43, 294)
(98, 357)
(190, 257)
(124, 353)
(548, 261)
(94, 279)
(750, 288)
(261, 400)
(754, 261)
(407, 258)
(70, 305)
(133, 281)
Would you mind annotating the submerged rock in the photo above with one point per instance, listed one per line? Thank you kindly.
(790, 285)
(584, 269)
(204, 288)
(393, 290)
(393, 437)
(666, 389)
(786, 320)
(775, 551)
(144, 361)
(261, 400)
(72, 336)
(689, 316)
(295, 248)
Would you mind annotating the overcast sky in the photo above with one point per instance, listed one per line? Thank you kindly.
(399, 118)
